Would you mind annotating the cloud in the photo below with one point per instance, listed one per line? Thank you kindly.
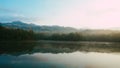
(9, 15)
(6, 10)
(19, 17)
(74, 13)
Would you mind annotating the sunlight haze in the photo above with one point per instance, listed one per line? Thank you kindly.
(95, 14)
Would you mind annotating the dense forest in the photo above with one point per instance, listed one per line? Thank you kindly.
(15, 34)
(20, 34)
(112, 37)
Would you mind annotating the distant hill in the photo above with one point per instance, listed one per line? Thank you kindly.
(18, 30)
(38, 28)
(56, 29)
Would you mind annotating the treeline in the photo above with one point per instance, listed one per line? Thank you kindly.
(59, 37)
(112, 37)
(15, 34)
(19, 34)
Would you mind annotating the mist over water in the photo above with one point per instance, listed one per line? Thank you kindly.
(59, 55)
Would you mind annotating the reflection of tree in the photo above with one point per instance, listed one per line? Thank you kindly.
(17, 48)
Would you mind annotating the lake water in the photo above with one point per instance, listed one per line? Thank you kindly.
(59, 55)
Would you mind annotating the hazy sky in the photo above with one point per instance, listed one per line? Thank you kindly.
(73, 13)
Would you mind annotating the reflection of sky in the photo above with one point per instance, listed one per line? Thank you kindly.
(61, 60)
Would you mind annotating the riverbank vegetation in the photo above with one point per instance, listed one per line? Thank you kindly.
(19, 34)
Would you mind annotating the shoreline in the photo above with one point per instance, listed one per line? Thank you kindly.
(55, 41)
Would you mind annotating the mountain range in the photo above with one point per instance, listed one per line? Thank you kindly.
(55, 29)
(38, 28)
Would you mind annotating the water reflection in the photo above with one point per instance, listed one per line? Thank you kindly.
(59, 55)
(61, 60)
(17, 48)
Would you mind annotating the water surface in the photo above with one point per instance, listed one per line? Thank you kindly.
(59, 55)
